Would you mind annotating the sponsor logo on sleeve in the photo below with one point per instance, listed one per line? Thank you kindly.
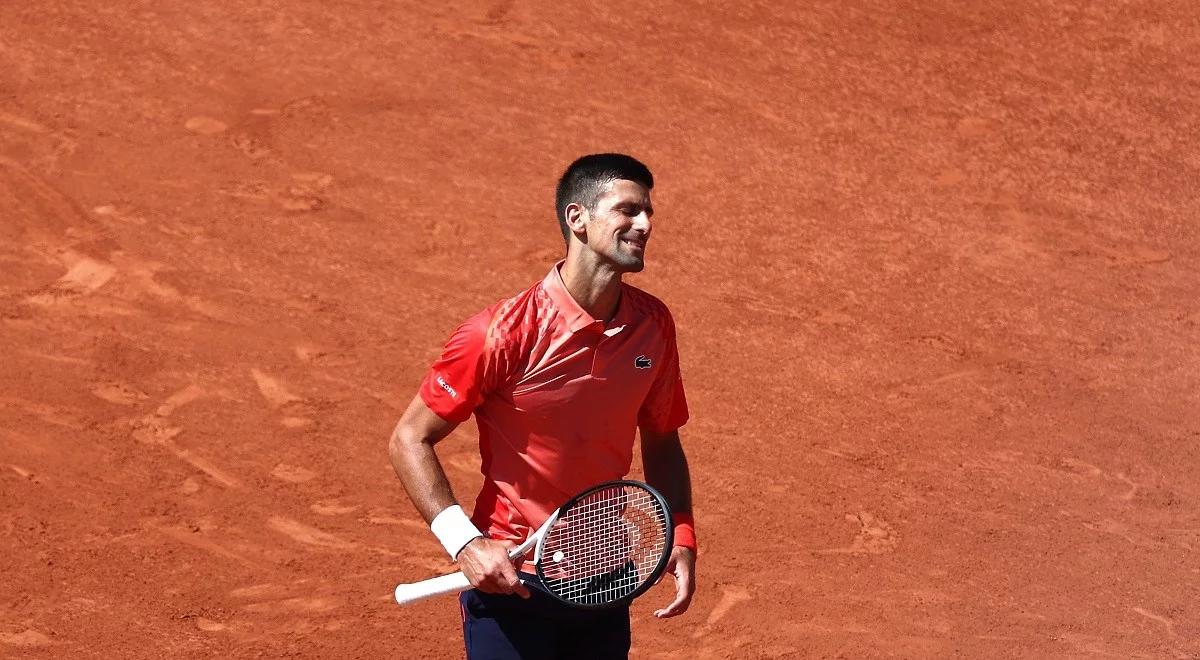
(446, 386)
(641, 362)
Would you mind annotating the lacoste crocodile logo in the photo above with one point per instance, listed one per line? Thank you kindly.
(641, 362)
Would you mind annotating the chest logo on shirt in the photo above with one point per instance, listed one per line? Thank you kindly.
(641, 362)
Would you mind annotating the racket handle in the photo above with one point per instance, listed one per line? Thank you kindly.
(444, 584)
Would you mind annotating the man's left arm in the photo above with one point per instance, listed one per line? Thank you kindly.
(666, 470)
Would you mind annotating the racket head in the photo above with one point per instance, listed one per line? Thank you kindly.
(606, 546)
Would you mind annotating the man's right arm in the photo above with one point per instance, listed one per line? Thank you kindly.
(484, 561)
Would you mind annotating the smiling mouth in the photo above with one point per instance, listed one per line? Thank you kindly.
(639, 244)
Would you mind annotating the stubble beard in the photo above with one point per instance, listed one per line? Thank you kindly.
(628, 262)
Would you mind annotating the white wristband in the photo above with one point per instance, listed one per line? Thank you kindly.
(454, 529)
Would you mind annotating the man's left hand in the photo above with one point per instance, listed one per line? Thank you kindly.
(682, 567)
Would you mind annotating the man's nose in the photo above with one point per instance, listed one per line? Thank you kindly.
(641, 223)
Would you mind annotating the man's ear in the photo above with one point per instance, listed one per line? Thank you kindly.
(576, 217)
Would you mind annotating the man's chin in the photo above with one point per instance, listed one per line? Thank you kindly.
(632, 265)
(624, 262)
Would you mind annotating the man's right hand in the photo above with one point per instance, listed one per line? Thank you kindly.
(486, 563)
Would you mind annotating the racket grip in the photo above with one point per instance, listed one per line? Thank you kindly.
(444, 584)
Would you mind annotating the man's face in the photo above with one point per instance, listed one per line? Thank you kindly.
(619, 227)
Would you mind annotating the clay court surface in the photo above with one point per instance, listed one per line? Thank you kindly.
(933, 266)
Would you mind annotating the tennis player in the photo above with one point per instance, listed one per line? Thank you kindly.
(558, 377)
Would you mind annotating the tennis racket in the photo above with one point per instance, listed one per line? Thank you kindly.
(604, 547)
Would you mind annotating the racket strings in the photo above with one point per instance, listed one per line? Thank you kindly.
(605, 546)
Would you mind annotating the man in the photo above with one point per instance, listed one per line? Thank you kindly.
(558, 377)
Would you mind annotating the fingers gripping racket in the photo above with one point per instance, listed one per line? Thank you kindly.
(604, 547)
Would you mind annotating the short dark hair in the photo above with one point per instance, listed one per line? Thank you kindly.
(584, 180)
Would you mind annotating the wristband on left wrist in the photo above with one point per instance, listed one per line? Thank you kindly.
(685, 530)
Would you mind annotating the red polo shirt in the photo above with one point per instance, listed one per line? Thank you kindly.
(557, 396)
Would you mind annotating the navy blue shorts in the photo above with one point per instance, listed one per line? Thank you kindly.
(498, 627)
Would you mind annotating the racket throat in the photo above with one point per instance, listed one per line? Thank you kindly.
(538, 539)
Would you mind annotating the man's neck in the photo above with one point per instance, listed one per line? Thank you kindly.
(596, 286)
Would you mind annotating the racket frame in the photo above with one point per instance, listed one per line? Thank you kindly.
(668, 543)
(457, 582)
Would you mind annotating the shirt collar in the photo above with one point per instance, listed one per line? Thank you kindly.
(576, 317)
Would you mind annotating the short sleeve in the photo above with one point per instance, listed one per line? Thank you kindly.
(665, 408)
(457, 381)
